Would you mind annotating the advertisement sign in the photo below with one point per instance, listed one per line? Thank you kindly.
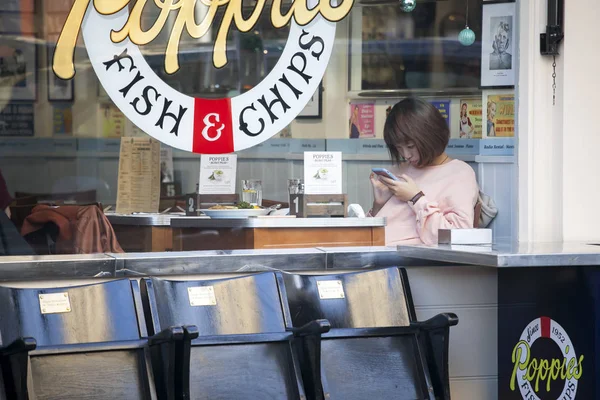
(112, 33)
(111, 121)
(362, 120)
(17, 119)
(62, 117)
(500, 115)
(444, 109)
(470, 119)
(323, 172)
(218, 174)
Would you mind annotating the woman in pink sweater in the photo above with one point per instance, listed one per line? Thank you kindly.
(433, 191)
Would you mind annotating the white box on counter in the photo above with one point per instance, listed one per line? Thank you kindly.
(465, 236)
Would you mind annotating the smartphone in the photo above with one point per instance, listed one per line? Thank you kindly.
(384, 172)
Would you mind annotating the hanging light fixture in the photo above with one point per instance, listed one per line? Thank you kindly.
(408, 5)
(466, 37)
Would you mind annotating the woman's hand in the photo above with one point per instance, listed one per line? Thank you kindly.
(381, 193)
(404, 189)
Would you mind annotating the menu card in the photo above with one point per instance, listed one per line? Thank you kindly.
(139, 176)
(323, 172)
(217, 174)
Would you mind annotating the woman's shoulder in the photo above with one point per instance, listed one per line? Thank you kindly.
(461, 168)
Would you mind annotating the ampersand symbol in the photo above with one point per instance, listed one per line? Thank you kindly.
(208, 124)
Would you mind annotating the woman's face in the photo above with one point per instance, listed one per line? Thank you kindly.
(502, 40)
(464, 108)
(410, 153)
(492, 111)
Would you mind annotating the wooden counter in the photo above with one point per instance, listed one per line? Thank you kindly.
(140, 233)
(153, 232)
(192, 233)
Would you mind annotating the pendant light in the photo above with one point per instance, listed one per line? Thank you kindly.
(466, 37)
(408, 5)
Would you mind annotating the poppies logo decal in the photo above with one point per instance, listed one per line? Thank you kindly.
(532, 376)
(112, 33)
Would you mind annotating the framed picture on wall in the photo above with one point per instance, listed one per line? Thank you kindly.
(18, 69)
(58, 89)
(498, 57)
(102, 95)
(314, 108)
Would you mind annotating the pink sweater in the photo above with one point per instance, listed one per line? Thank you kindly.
(451, 192)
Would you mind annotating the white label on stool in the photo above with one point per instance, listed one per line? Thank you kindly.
(330, 290)
(202, 296)
(54, 303)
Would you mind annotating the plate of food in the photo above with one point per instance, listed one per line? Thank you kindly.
(241, 210)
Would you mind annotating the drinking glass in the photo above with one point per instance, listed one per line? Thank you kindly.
(252, 191)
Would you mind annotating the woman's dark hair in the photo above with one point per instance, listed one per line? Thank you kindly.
(417, 121)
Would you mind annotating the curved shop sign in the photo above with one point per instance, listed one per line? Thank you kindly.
(534, 376)
(113, 34)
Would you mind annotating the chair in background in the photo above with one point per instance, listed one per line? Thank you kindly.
(76, 197)
(11, 241)
(376, 348)
(244, 347)
(79, 343)
(70, 230)
(79, 184)
(477, 215)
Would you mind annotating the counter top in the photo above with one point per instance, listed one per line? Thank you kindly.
(509, 254)
(111, 265)
(203, 222)
(180, 221)
(143, 219)
(56, 267)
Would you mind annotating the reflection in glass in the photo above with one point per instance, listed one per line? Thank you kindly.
(417, 50)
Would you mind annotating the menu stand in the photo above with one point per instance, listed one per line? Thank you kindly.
(319, 205)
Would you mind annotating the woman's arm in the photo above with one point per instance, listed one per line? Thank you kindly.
(456, 210)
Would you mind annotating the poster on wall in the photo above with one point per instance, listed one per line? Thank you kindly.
(58, 89)
(18, 72)
(443, 107)
(471, 118)
(55, 16)
(111, 121)
(62, 119)
(17, 5)
(497, 45)
(314, 107)
(17, 119)
(17, 17)
(500, 115)
(362, 120)
(286, 132)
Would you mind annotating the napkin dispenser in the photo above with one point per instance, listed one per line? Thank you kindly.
(465, 236)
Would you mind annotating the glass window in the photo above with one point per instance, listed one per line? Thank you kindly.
(415, 50)
(75, 150)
